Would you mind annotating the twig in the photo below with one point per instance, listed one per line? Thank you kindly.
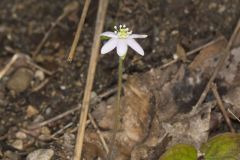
(62, 129)
(9, 65)
(17, 55)
(41, 85)
(102, 8)
(221, 107)
(69, 9)
(30, 62)
(62, 115)
(34, 126)
(98, 132)
(193, 51)
(79, 29)
(233, 115)
(76, 128)
(221, 62)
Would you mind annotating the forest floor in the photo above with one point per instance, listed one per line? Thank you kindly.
(41, 85)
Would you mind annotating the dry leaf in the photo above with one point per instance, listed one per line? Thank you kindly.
(181, 53)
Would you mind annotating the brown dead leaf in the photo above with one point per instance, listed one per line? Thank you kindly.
(206, 61)
(181, 53)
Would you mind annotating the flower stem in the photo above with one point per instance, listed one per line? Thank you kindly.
(117, 109)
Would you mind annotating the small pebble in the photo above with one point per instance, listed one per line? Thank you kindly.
(11, 155)
(63, 87)
(41, 154)
(39, 75)
(31, 111)
(21, 135)
(20, 80)
(18, 144)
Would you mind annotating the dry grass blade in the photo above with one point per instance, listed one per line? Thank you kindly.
(79, 29)
(102, 8)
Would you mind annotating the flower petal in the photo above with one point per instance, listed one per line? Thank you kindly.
(135, 46)
(121, 47)
(138, 36)
(109, 46)
(109, 34)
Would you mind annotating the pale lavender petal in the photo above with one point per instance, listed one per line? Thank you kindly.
(109, 46)
(109, 34)
(138, 36)
(135, 46)
(121, 47)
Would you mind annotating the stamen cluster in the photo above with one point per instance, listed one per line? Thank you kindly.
(122, 31)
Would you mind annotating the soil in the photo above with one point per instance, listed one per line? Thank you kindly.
(23, 24)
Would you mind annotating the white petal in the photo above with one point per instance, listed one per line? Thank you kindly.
(135, 46)
(109, 34)
(138, 36)
(109, 46)
(121, 47)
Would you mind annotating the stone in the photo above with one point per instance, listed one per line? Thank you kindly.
(39, 75)
(18, 144)
(11, 155)
(31, 111)
(20, 80)
(21, 135)
(41, 154)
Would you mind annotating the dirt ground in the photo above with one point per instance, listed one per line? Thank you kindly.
(190, 23)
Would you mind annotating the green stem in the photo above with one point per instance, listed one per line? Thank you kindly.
(117, 108)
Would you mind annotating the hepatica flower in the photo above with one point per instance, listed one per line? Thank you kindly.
(121, 38)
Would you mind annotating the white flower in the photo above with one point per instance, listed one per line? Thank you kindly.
(121, 39)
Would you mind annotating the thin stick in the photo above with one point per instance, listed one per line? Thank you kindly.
(192, 52)
(79, 29)
(233, 115)
(30, 62)
(98, 132)
(41, 85)
(219, 66)
(47, 34)
(69, 9)
(117, 109)
(62, 115)
(102, 8)
(34, 126)
(62, 129)
(221, 107)
(9, 65)
(17, 55)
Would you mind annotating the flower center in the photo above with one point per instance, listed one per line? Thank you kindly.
(122, 32)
